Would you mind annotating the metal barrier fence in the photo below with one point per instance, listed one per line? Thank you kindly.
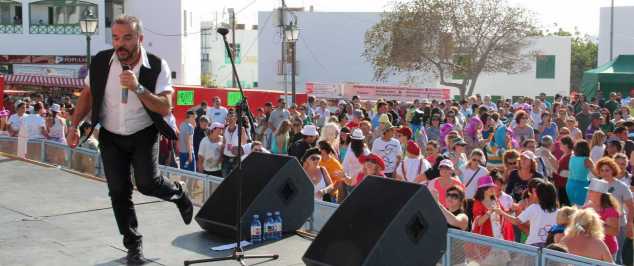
(463, 248)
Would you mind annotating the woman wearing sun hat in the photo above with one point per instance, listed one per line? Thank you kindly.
(357, 149)
(601, 200)
(486, 221)
(445, 180)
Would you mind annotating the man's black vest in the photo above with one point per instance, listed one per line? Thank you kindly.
(99, 70)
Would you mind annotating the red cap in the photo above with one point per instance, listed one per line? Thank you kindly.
(406, 131)
(373, 158)
(413, 148)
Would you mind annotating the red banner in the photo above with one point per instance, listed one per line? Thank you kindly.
(399, 93)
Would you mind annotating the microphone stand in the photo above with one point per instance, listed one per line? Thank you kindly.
(238, 254)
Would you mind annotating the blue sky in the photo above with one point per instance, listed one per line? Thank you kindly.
(583, 14)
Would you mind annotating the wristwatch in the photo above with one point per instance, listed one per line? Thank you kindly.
(140, 89)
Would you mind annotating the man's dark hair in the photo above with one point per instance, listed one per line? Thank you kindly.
(268, 104)
(568, 142)
(620, 130)
(618, 144)
(190, 113)
(527, 141)
(547, 194)
(203, 103)
(324, 145)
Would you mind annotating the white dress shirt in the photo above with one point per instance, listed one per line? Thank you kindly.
(127, 119)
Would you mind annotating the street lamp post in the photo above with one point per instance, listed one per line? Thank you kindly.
(88, 27)
(292, 35)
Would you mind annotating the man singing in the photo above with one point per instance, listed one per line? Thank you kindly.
(129, 92)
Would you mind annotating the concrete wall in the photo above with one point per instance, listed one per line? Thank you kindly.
(330, 50)
(623, 33)
(526, 83)
(165, 34)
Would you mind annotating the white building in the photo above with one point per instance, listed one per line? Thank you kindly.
(215, 61)
(330, 46)
(623, 33)
(43, 36)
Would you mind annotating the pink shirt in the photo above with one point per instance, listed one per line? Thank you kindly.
(609, 240)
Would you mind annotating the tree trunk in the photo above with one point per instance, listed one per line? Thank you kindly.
(463, 90)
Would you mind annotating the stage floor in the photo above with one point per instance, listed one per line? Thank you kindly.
(52, 217)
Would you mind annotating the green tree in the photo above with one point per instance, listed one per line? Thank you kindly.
(456, 40)
(584, 55)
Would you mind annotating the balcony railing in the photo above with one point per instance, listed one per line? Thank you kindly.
(11, 29)
(63, 29)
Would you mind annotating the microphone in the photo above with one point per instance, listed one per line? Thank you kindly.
(222, 31)
(124, 90)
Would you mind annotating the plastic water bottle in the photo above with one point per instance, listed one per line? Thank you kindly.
(256, 230)
(269, 227)
(278, 226)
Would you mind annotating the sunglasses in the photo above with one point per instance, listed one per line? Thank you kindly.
(454, 196)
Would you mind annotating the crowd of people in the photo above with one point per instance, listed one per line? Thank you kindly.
(552, 173)
(40, 118)
(546, 173)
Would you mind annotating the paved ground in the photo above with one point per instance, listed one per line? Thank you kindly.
(51, 217)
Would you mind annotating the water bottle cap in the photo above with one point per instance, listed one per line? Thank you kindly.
(269, 213)
(277, 213)
(256, 216)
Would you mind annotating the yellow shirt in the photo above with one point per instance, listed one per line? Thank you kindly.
(332, 166)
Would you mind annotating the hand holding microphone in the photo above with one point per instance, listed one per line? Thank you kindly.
(128, 82)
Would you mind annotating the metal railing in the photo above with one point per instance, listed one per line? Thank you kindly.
(463, 248)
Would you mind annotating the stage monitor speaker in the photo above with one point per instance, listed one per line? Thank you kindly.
(270, 183)
(383, 222)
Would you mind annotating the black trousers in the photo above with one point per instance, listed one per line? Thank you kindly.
(139, 150)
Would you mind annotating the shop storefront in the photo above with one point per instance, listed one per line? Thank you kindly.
(54, 76)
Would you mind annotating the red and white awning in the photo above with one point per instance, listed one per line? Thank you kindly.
(44, 81)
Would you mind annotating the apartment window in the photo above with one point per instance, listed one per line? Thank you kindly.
(205, 57)
(10, 17)
(114, 8)
(545, 67)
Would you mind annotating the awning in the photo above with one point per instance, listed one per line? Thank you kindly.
(44, 81)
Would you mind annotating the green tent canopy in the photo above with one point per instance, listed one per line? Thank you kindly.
(615, 76)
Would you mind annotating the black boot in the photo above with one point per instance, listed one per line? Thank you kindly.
(184, 203)
(135, 256)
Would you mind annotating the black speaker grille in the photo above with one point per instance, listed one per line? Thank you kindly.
(287, 191)
(417, 227)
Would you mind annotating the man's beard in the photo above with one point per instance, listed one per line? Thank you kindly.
(130, 53)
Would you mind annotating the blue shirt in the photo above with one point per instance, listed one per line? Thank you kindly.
(550, 131)
(375, 121)
(186, 131)
(578, 170)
